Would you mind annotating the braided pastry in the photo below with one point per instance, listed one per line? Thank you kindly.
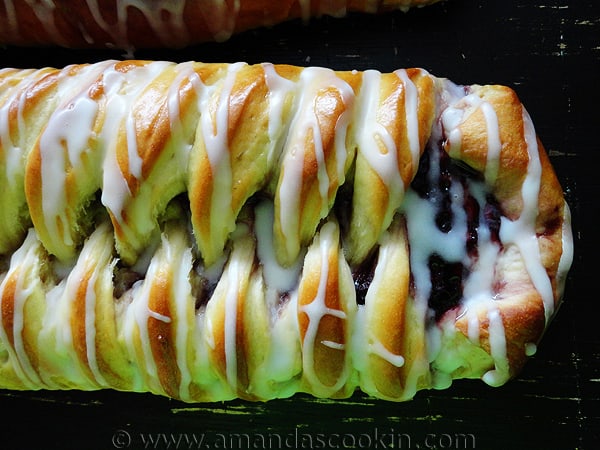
(214, 231)
(131, 24)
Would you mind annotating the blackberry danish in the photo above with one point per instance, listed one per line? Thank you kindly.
(217, 231)
(135, 24)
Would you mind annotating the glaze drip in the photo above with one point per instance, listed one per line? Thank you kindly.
(455, 199)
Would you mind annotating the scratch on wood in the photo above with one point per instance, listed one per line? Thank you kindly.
(552, 6)
(228, 411)
(358, 419)
(557, 153)
(548, 397)
(587, 22)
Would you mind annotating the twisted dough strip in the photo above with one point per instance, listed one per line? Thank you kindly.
(213, 231)
(130, 24)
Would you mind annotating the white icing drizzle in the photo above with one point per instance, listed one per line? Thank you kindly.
(377, 348)
(121, 90)
(282, 364)
(374, 345)
(215, 131)
(530, 349)
(55, 340)
(210, 334)
(497, 338)
(280, 89)
(21, 261)
(521, 232)
(494, 143)
(454, 115)
(185, 73)
(228, 294)
(374, 141)
(411, 110)
(160, 317)
(426, 239)
(89, 262)
(62, 144)
(473, 329)
(478, 287)
(57, 337)
(231, 316)
(377, 145)
(312, 81)
(182, 296)
(334, 345)
(135, 325)
(279, 279)
(11, 152)
(44, 12)
(152, 12)
(134, 159)
(90, 330)
(317, 309)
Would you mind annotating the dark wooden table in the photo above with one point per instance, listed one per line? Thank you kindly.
(549, 52)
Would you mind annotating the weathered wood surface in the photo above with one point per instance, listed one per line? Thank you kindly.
(549, 51)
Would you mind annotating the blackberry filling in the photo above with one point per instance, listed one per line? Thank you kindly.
(363, 276)
(446, 285)
(444, 183)
(472, 211)
(492, 216)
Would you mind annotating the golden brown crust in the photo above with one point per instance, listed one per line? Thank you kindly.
(215, 296)
(159, 24)
(324, 343)
(249, 159)
(319, 149)
(520, 304)
(398, 366)
(375, 198)
(32, 107)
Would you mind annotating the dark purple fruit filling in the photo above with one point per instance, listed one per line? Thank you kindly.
(342, 206)
(492, 216)
(472, 210)
(363, 276)
(447, 277)
(446, 285)
(436, 175)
